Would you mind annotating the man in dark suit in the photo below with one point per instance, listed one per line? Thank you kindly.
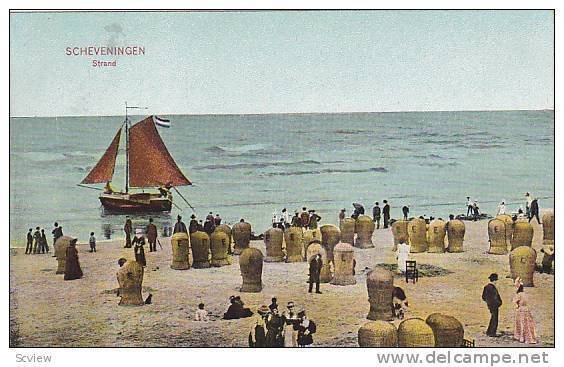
(127, 228)
(386, 213)
(534, 211)
(152, 234)
(29, 247)
(314, 272)
(193, 226)
(376, 211)
(492, 298)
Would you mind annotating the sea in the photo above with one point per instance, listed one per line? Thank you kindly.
(250, 166)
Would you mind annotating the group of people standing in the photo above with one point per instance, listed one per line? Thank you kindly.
(290, 329)
(37, 241)
(378, 213)
(138, 241)
(306, 219)
(524, 331)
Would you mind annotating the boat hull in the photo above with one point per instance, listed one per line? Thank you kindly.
(135, 203)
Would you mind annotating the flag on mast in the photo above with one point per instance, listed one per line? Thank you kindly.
(161, 122)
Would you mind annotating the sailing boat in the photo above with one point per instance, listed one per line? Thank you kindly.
(148, 165)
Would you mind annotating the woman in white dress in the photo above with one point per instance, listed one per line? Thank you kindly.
(402, 254)
(290, 318)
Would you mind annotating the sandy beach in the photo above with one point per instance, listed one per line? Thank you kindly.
(47, 311)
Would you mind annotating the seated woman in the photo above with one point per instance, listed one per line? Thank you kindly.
(236, 309)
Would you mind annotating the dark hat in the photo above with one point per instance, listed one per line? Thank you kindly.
(493, 277)
(290, 304)
(151, 220)
(179, 217)
(193, 216)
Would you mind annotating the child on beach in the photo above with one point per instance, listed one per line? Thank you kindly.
(92, 242)
(201, 313)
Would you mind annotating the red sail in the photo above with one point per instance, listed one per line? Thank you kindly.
(150, 163)
(104, 169)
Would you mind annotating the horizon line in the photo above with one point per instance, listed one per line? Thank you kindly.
(288, 113)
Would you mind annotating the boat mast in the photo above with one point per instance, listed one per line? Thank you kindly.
(126, 150)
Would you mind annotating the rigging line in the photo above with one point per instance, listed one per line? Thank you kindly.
(191, 207)
(88, 187)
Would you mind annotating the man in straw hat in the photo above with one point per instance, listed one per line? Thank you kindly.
(492, 298)
(257, 335)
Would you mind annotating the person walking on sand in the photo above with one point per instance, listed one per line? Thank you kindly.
(386, 213)
(534, 211)
(501, 208)
(201, 314)
(92, 242)
(36, 240)
(138, 250)
(29, 246)
(314, 273)
(405, 211)
(152, 235)
(376, 214)
(491, 296)
(524, 322)
(127, 228)
(179, 226)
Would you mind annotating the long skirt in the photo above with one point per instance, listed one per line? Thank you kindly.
(290, 336)
(524, 326)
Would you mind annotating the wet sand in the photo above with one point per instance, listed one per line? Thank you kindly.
(50, 312)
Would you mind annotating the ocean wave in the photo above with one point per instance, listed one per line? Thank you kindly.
(43, 156)
(425, 156)
(237, 148)
(352, 131)
(485, 146)
(329, 170)
(435, 164)
(254, 165)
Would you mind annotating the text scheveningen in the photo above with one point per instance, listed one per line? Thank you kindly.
(105, 51)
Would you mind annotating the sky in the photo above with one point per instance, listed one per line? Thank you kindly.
(283, 62)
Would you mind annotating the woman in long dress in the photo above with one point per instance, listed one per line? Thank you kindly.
(291, 323)
(72, 266)
(402, 254)
(524, 323)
